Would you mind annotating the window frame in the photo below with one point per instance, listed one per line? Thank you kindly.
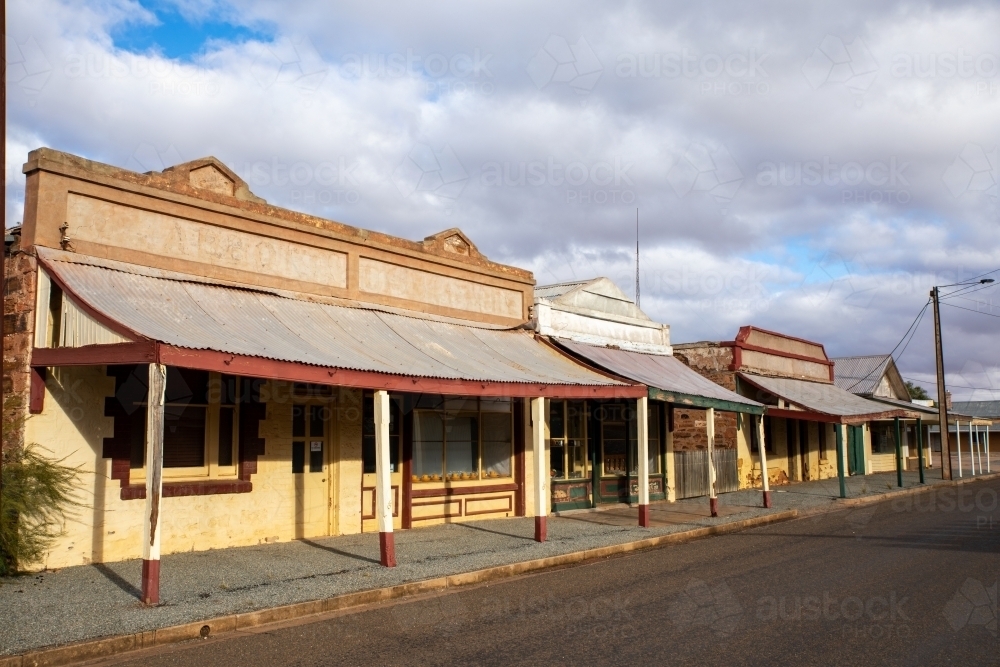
(564, 440)
(211, 469)
(445, 412)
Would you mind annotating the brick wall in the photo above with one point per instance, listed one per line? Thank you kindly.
(18, 328)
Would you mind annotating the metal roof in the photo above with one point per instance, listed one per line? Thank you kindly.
(175, 310)
(827, 399)
(860, 375)
(666, 373)
(988, 409)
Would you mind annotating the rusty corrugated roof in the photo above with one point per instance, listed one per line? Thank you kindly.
(822, 398)
(660, 371)
(194, 314)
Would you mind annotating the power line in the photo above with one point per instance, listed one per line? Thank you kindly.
(916, 320)
(965, 293)
(978, 312)
(950, 384)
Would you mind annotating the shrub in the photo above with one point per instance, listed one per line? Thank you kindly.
(34, 498)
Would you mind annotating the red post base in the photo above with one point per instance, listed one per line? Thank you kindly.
(644, 516)
(713, 503)
(151, 582)
(387, 549)
(767, 499)
(540, 528)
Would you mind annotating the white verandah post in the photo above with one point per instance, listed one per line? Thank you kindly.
(383, 483)
(713, 500)
(958, 444)
(541, 468)
(152, 519)
(762, 449)
(642, 424)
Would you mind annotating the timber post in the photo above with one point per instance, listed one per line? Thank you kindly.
(713, 499)
(383, 484)
(840, 459)
(642, 428)
(152, 518)
(899, 453)
(920, 448)
(539, 462)
(762, 449)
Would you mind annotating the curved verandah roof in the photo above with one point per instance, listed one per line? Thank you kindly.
(191, 322)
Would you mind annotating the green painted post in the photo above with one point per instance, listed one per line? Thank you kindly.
(899, 454)
(840, 459)
(920, 449)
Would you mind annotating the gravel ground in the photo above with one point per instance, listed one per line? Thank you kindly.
(73, 604)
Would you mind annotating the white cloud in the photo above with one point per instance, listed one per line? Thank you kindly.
(320, 119)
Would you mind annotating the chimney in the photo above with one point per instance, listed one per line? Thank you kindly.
(947, 399)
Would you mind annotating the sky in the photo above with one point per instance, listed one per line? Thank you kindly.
(810, 168)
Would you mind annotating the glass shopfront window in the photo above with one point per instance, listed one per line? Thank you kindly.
(619, 438)
(459, 439)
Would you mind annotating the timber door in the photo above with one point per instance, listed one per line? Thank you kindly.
(369, 524)
(311, 432)
(856, 450)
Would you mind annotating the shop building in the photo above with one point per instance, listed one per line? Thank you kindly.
(622, 451)
(794, 379)
(225, 372)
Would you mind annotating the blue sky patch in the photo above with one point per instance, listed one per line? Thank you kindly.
(177, 37)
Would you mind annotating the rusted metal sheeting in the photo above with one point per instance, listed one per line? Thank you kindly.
(827, 399)
(201, 316)
(655, 370)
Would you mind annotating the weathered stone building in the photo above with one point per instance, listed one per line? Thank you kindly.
(794, 379)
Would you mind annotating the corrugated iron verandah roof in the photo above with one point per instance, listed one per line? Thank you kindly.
(193, 323)
(821, 401)
(668, 378)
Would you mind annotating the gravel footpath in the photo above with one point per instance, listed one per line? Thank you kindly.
(77, 603)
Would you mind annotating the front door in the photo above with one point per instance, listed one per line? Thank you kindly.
(856, 450)
(369, 522)
(311, 430)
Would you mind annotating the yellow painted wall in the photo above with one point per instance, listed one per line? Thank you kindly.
(105, 528)
(282, 506)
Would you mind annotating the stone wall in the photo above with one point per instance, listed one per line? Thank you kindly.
(19, 329)
(713, 362)
(690, 429)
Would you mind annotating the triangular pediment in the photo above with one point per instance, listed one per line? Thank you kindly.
(453, 242)
(210, 174)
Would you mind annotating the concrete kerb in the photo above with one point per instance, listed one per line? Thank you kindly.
(109, 646)
(847, 503)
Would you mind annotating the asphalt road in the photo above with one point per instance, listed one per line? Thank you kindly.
(909, 582)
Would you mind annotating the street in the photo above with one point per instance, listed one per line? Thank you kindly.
(911, 581)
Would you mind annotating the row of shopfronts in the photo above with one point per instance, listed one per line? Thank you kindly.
(228, 373)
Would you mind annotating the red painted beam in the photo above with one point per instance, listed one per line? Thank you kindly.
(143, 352)
(291, 371)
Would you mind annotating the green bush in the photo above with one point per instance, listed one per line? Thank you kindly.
(34, 498)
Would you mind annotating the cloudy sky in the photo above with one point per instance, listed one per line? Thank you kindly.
(802, 168)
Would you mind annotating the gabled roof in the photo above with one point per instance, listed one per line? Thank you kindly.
(863, 374)
(599, 295)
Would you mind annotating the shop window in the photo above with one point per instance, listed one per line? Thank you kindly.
(461, 438)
